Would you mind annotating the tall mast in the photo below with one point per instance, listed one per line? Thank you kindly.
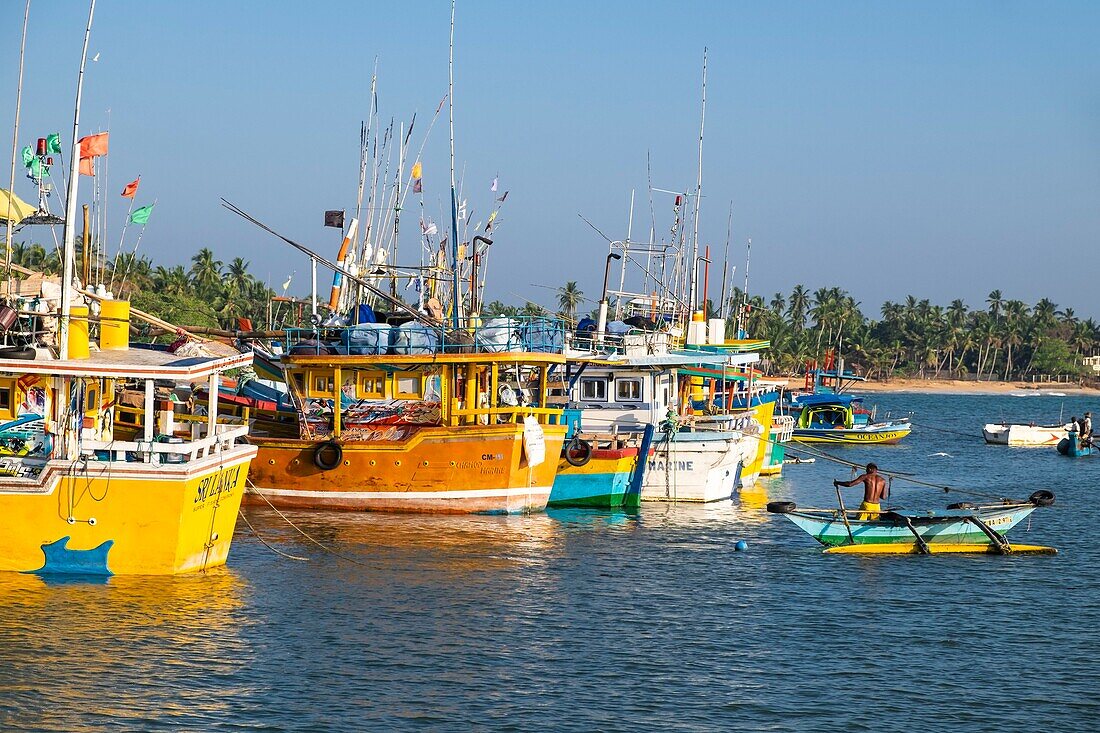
(15, 138)
(70, 203)
(698, 197)
(456, 301)
(742, 314)
(725, 261)
(626, 256)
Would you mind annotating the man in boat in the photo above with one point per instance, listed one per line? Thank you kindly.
(874, 489)
(1086, 430)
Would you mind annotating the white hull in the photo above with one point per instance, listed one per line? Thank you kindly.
(696, 469)
(1024, 435)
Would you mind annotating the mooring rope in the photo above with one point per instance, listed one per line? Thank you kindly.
(895, 474)
(266, 544)
(922, 426)
(300, 530)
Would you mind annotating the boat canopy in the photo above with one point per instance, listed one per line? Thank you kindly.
(20, 209)
(815, 400)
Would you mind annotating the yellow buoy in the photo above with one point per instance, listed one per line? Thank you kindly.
(78, 332)
(114, 324)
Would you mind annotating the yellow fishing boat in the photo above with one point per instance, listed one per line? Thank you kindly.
(422, 420)
(92, 497)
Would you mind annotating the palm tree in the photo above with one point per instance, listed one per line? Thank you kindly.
(797, 307)
(569, 298)
(778, 303)
(206, 273)
(237, 278)
(995, 303)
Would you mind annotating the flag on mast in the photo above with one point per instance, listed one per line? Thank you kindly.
(131, 188)
(92, 146)
(141, 216)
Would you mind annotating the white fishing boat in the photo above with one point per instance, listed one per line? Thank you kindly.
(1029, 435)
(694, 457)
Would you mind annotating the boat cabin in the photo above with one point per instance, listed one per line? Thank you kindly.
(827, 412)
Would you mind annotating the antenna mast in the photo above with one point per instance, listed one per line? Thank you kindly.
(15, 140)
(698, 197)
(455, 301)
(70, 204)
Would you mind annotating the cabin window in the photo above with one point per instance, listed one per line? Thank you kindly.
(6, 399)
(372, 385)
(407, 386)
(593, 389)
(628, 390)
(91, 400)
(321, 384)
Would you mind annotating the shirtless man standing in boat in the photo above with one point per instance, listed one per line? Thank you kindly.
(874, 489)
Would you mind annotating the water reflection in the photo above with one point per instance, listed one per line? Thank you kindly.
(63, 646)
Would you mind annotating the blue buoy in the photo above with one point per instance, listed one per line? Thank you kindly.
(741, 546)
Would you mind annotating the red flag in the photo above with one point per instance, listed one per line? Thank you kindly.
(86, 167)
(131, 188)
(93, 145)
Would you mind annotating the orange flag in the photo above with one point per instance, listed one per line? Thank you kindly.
(86, 167)
(93, 145)
(131, 188)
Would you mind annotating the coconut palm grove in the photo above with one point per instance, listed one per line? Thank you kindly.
(1001, 340)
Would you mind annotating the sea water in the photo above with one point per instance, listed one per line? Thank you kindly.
(586, 620)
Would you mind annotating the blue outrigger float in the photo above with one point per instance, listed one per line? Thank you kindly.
(960, 528)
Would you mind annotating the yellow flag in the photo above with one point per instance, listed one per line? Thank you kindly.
(417, 170)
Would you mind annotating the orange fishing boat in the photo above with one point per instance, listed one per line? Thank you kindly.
(432, 422)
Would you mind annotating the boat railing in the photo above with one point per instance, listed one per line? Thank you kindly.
(504, 334)
(782, 428)
(169, 449)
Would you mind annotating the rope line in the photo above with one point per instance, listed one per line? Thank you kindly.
(300, 530)
(818, 453)
(265, 542)
(922, 426)
(895, 474)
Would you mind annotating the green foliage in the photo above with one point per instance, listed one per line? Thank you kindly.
(176, 308)
(207, 294)
(1006, 339)
(1054, 356)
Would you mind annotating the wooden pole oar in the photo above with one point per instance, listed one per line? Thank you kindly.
(844, 513)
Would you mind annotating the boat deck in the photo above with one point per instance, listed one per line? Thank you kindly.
(133, 363)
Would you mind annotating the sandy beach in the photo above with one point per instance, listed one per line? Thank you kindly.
(957, 386)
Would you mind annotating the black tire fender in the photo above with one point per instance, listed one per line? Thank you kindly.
(1042, 497)
(577, 445)
(781, 507)
(328, 455)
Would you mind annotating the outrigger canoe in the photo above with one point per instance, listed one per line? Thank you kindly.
(959, 528)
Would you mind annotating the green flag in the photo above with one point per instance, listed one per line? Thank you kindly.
(38, 171)
(28, 156)
(53, 142)
(141, 216)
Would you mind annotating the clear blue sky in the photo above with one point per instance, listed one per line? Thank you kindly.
(942, 149)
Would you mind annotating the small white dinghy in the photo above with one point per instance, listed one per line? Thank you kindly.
(1033, 436)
